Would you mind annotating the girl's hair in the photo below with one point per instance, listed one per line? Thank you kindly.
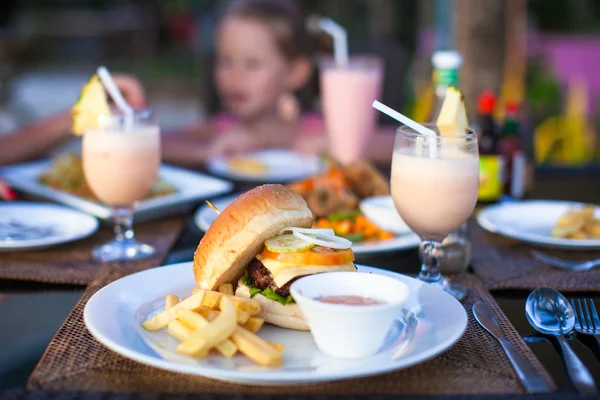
(283, 18)
(286, 20)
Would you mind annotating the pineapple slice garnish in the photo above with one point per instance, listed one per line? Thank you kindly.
(452, 120)
(90, 107)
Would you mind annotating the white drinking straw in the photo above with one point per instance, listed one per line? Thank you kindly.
(411, 124)
(115, 93)
(340, 40)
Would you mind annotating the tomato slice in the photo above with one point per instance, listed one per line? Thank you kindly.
(316, 255)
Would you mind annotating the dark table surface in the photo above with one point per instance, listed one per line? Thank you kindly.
(30, 313)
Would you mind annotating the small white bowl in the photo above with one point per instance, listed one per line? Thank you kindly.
(381, 211)
(349, 331)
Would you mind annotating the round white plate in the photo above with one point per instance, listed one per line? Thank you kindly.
(114, 314)
(58, 224)
(205, 216)
(531, 221)
(282, 166)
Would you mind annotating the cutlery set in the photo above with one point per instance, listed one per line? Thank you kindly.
(550, 313)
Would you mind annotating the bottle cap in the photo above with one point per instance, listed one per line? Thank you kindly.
(446, 59)
(487, 102)
(512, 107)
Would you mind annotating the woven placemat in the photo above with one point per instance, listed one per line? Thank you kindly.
(505, 263)
(74, 360)
(71, 263)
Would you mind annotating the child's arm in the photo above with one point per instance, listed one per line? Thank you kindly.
(34, 139)
(188, 146)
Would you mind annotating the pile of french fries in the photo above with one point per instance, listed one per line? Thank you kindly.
(578, 224)
(216, 320)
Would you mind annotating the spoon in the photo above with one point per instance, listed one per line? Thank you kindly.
(550, 313)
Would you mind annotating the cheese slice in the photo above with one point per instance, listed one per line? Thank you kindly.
(285, 272)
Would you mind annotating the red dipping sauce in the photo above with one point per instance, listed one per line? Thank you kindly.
(350, 300)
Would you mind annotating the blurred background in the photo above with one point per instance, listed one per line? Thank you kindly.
(538, 56)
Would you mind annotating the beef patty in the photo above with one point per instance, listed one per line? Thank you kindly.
(263, 278)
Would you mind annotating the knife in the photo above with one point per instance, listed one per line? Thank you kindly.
(531, 380)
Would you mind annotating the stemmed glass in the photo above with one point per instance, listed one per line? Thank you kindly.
(435, 192)
(121, 162)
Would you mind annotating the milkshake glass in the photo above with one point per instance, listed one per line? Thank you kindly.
(347, 93)
(435, 196)
(121, 162)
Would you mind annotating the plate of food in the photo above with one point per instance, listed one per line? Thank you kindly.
(239, 314)
(352, 200)
(62, 180)
(28, 225)
(266, 166)
(555, 224)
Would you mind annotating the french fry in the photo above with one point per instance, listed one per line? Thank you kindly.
(212, 299)
(255, 348)
(226, 288)
(195, 321)
(213, 333)
(277, 346)
(209, 314)
(170, 301)
(162, 319)
(181, 332)
(254, 324)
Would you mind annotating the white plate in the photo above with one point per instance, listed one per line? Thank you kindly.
(282, 166)
(113, 315)
(205, 216)
(531, 221)
(191, 188)
(63, 224)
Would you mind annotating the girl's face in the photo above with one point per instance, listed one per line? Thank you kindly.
(250, 71)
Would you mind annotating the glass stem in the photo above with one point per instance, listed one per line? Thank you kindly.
(123, 217)
(430, 269)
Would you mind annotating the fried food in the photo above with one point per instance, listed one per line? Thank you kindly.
(365, 180)
(578, 224)
(208, 320)
(66, 174)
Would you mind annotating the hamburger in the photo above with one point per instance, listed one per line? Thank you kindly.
(261, 243)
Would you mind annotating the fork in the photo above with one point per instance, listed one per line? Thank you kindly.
(586, 318)
(574, 266)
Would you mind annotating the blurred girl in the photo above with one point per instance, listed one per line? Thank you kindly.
(262, 61)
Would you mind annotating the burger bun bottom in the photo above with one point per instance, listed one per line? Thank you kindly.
(286, 316)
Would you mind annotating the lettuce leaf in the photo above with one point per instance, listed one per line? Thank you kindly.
(268, 292)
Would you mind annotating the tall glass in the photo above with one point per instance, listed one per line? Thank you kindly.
(347, 95)
(435, 195)
(121, 162)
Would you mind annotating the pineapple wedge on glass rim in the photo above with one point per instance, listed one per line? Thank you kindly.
(90, 107)
(452, 120)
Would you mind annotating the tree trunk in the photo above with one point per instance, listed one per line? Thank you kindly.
(480, 38)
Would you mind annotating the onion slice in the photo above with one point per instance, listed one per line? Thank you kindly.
(310, 231)
(333, 242)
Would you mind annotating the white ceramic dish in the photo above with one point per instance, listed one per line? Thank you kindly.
(62, 224)
(365, 327)
(382, 212)
(192, 187)
(205, 216)
(281, 166)
(531, 221)
(113, 316)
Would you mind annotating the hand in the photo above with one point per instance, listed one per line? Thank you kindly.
(132, 90)
(232, 143)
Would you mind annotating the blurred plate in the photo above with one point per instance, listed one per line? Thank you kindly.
(266, 166)
(381, 211)
(192, 187)
(205, 216)
(41, 225)
(531, 221)
(114, 314)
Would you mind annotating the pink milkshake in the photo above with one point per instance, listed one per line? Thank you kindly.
(435, 196)
(347, 94)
